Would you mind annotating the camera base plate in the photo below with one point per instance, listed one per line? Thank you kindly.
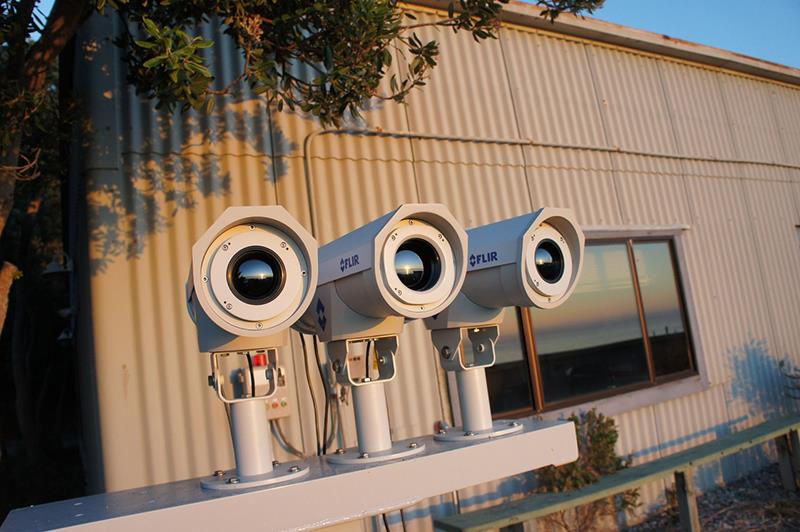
(355, 457)
(229, 480)
(499, 428)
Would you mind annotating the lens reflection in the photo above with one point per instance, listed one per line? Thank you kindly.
(549, 261)
(417, 264)
(255, 275)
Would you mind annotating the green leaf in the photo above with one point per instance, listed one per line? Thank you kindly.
(155, 61)
(150, 27)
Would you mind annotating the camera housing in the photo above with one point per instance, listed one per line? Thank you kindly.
(252, 277)
(407, 264)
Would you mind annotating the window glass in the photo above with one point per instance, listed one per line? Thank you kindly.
(509, 379)
(593, 342)
(669, 342)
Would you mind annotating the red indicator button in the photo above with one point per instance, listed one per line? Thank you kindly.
(260, 359)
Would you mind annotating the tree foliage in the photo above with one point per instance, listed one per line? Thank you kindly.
(597, 438)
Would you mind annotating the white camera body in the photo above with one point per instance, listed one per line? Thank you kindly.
(502, 268)
(256, 315)
(361, 295)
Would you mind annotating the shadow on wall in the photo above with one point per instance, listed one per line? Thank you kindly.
(158, 178)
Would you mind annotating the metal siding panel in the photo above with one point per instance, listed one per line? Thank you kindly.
(697, 111)
(552, 88)
(691, 420)
(578, 179)
(786, 102)
(755, 130)
(632, 99)
(467, 93)
(652, 190)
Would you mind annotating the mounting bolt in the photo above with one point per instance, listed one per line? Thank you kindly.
(481, 348)
(340, 451)
(275, 463)
(363, 455)
(233, 480)
(259, 325)
(228, 306)
(294, 469)
(337, 366)
(381, 360)
(412, 445)
(219, 473)
(514, 423)
(446, 353)
(205, 279)
(469, 433)
(224, 247)
(442, 431)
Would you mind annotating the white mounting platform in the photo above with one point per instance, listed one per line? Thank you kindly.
(499, 428)
(328, 494)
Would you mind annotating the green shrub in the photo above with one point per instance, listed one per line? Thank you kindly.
(597, 436)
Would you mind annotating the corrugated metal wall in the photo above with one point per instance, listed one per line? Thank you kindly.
(155, 180)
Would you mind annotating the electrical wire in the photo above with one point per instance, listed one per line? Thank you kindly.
(283, 441)
(328, 407)
(252, 375)
(311, 391)
(366, 359)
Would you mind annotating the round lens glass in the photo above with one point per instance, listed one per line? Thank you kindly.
(549, 261)
(255, 275)
(417, 264)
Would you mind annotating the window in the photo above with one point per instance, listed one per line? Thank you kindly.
(623, 328)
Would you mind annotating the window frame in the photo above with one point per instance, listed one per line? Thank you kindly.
(539, 406)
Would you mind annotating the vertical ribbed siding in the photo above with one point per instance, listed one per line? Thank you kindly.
(178, 172)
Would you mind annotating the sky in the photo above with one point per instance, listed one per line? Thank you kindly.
(765, 29)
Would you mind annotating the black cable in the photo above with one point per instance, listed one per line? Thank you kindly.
(252, 375)
(327, 398)
(385, 522)
(366, 360)
(310, 390)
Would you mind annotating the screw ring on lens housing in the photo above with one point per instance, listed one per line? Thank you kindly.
(418, 300)
(543, 233)
(217, 261)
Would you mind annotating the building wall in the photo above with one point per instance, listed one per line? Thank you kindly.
(156, 180)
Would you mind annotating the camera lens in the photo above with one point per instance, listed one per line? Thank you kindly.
(255, 275)
(417, 264)
(549, 261)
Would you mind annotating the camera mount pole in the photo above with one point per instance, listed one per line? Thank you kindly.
(252, 441)
(473, 393)
(369, 404)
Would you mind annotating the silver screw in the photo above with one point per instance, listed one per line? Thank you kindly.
(294, 469)
(219, 473)
(283, 244)
(381, 359)
(252, 227)
(228, 306)
(259, 325)
(275, 463)
(224, 247)
(412, 445)
(514, 423)
(469, 433)
(363, 455)
(233, 480)
(446, 353)
(442, 431)
(205, 279)
(340, 451)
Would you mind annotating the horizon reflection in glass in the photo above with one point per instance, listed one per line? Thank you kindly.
(593, 342)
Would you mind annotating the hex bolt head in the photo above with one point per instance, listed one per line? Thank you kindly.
(514, 423)
(219, 473)
(294, 469)
(469, 433)
(363, 455)
(228, 306)
(275, 463)
(233, 480)
(340, 451)
(412, 445)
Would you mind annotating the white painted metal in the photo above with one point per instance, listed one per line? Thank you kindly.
(252, 442)
(329, 494)
(473, 396)
(372, 417)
